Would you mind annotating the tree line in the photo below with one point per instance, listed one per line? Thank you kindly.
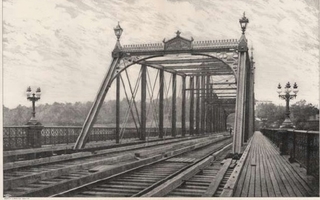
(300, 113)
(74, 114)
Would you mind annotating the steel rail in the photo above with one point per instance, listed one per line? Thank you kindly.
(79, 189)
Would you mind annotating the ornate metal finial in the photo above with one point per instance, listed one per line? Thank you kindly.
(178, 33)
(288, 85)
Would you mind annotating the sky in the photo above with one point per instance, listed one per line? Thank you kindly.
(65, 47)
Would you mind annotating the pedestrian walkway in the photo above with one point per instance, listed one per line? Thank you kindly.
(267, 174)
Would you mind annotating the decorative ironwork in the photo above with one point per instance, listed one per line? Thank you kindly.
(59, 135)
(216, 44)
(181, 43)
(16, 137)
(301, 145)
(143, 47)
(178, 43)
(313, 154)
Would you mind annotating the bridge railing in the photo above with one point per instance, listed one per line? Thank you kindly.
(302, 146)
(16, 137)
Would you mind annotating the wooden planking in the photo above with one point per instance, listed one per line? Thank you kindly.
(270, 189)
(258, 175)
(310, 183)
(275, 174)
(296, 177)
(286, 176)
(274, 181)
(299, 187)
(290, 186)
(267, 174)
(263, 186)
(252, 171)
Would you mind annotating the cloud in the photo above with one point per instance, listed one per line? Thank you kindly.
(65, 46)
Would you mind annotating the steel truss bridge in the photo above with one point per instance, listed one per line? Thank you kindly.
(179, 87)
(208, 80)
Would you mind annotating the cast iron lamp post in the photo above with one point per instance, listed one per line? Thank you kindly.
(33, 97)
(118, 31)
(243, 23)
(33, 126)
(287, 96)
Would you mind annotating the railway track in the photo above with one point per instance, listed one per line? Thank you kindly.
(199, 184)
(26, 181)
(143, 180)
(17, 172)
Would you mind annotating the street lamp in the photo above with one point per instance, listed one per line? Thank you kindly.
(287, 95)
(118, 31)
(243, 23)
(33, 97)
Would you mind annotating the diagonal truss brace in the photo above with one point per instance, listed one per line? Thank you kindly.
(91, 117)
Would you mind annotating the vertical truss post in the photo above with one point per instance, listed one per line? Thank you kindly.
(118, 109)
(214, 116)
(161, 103)
(253, 101)
(247, 106)
(225, 117)
(198, 105)
(219, 118)
(208, 107)
(174, 109)
(211, 109)
(191, 113)
(143, 102)
(183, 109)
(251, 97)
(240, 116)
(203, 109)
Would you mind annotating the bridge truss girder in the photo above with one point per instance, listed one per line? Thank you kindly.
(211, 68)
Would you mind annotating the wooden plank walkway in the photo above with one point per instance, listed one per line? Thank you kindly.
(267, 174)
